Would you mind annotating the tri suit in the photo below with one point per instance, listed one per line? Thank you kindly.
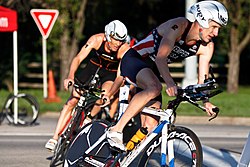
(106, 62)
(143, 54)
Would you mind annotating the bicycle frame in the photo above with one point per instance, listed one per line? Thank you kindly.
(165, 120)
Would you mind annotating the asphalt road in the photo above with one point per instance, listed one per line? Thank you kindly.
(24, 146)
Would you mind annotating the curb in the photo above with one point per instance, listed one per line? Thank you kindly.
(243, 121)
(202, 120)
(50, 114)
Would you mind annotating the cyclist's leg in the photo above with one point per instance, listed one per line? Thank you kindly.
(114, 106)
(151, 86)
(149, 121)
(64, 118)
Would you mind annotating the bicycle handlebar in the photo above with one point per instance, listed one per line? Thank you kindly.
(81, 88)
(70, 84)
(198, 92)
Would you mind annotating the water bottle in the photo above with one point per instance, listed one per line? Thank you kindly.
(137, 138)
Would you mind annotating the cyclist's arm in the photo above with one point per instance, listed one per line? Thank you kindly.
(171, 32)
(205, 55)
(161, 60)
(115, 86)
(92, 43)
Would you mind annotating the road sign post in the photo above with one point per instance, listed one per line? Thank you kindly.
(44, 19)
(8, 23)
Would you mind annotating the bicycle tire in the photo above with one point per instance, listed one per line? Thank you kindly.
(28, 109)
(57, 156)
(61, 147)
(186, 156)
(2, 116)
(68, 135)
(88, 135)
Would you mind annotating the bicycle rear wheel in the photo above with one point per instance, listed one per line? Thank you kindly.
(187, 149)
(89, 134)
(28, 109)
(68, 135)
(59, 152)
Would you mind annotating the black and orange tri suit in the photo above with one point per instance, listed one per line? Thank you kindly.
(106, 64)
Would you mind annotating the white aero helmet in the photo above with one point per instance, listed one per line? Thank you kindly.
(205, 11)
(116, 30)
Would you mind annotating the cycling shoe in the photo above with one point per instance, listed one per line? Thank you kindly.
(51, 144)
(115, 139)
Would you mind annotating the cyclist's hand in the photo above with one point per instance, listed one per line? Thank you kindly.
(106, 100)
(209, 109)
(172, 90)
(68, 82)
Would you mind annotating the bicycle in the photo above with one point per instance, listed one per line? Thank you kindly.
(89, 93)
(28, 109)
(165, 145)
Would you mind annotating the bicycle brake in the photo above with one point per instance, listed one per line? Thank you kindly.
(216, 111)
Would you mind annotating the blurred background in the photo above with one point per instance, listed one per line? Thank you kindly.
(79, 19)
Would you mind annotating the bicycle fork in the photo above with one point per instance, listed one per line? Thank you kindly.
(162, 127)
(165, 144)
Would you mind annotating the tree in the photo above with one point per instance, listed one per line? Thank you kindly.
(239, 23)
(72, 20)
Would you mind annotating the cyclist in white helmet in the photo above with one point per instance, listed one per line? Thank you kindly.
(109, 47)
(173, 40)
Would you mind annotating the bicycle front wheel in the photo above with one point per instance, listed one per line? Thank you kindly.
(28, 109)
(187, 149)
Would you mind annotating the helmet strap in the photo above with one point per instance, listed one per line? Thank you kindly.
(200, 33)
(108, 46)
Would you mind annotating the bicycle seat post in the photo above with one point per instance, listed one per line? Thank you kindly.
(123, 99)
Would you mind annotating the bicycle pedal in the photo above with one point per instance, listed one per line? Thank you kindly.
(81, 163)
(115, 150)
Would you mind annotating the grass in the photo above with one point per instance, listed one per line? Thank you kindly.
(230, 104)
